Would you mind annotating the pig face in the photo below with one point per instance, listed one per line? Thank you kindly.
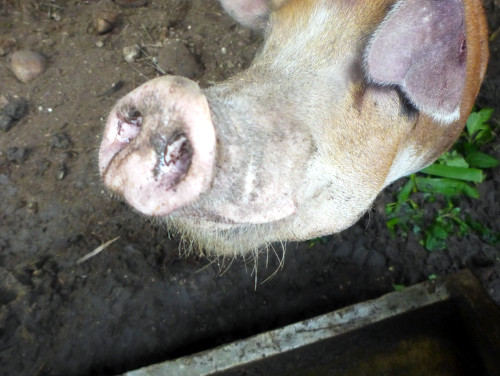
(344, 98)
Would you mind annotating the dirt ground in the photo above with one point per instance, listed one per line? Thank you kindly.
(138, 301)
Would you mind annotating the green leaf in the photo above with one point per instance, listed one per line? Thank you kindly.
(467, 174)
(481, 160)
(405, 192)
(433, 244)
(447, 187)
(484, 136)
(453, 158)
(435, 237)
(390, 208)
(398, 287)
(453, 174)
(321, 240)
(391, 223)
(476, 120)
(488, 235)
(439, 231)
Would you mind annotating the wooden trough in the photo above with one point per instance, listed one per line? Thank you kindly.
(446, 326)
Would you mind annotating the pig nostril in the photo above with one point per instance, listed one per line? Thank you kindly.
(134, 117)
(174, 160)
(174, 155)
(178, 152)
(129, 125)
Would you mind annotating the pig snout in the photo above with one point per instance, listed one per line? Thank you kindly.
(158, 148)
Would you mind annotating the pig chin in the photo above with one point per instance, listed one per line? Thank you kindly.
(214, 237)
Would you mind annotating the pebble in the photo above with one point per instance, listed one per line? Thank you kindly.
(175, 58)
(112, 89)
(61, 171)
(42, 165)
(177, 10)
(104, 21)
(27, 65)
(7, 187)
(5, 122)
(17, 154)
(6, 46)
(14, 108)
(60, 141)
(131, 53)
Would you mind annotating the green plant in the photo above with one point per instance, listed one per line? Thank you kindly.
(454, 174)
(317, 241)
(399, 287)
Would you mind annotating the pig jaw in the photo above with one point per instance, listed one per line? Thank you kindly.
(158, 147)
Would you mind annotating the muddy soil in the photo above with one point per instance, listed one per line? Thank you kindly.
(139, 301)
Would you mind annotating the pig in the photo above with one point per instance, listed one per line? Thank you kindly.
(344, 97)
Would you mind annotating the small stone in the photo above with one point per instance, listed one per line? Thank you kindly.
(131, 53)
(6, 122)
(16, 154)
(163, 33)
(42, 165)
(104, 21)
(12, 108)
(16, 108)
(61, 171)
(27, 65)
(60, 141)
(32, 207)
(112, 89)
(6, 46)
(56, 16)
(175, 58)
(177, 10)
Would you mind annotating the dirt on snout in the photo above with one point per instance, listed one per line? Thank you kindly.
(138, 301)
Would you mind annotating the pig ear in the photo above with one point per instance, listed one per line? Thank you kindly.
(250, 13)
(421, 47)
